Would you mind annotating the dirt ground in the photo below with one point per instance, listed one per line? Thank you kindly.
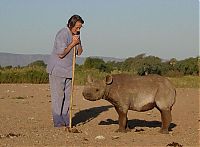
(25, 120)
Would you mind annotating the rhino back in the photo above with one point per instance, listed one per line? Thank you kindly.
(125, 81)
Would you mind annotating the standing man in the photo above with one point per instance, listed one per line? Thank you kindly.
(60, 66)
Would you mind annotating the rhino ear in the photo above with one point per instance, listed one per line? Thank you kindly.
(89, 79)
(109, 79)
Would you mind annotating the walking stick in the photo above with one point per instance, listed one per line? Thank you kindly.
(72, 88)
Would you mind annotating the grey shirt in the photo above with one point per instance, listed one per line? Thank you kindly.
(57, 66)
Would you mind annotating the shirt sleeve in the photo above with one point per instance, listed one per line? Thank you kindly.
(60, 42)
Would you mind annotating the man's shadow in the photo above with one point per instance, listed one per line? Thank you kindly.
(138, 123)
(87, 115)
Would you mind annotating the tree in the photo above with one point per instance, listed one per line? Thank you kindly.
(150, 65)
(143, 65)
(96, 63)
(8, 67)
(188, 66)
(37, 63)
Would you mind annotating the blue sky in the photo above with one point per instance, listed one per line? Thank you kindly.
(113, 28)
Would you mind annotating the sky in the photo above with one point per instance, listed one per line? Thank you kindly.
(113, 28)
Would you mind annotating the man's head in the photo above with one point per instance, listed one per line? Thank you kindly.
(75, 24)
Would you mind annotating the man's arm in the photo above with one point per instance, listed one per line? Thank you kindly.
(74, 42)
(66, 50)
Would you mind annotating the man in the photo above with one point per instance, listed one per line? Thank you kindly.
(60, 69)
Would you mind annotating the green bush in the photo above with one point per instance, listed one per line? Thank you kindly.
(34, 75)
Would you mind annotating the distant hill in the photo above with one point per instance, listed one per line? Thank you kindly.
(9, 59)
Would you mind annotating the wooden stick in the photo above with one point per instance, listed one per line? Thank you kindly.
(72, 88)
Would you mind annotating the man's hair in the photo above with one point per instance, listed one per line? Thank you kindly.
(72, 21)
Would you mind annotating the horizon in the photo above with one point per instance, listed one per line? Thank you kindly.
(165, 59)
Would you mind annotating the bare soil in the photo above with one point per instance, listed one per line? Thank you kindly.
(25, 120)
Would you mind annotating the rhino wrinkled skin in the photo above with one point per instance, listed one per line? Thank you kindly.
(138, 93)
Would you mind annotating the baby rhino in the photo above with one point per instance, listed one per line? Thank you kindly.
(138, 93)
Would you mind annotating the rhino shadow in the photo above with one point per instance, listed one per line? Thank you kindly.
(138, 123)
(85, 116)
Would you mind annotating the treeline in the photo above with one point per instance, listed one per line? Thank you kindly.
(138, 65)
(144, 65)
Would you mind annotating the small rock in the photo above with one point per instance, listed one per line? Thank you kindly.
(100, 137)
(115, 137)
(85, 139)
(30, 118)
(175, 144)
(37, 141)
(2, 136)
(12, 135)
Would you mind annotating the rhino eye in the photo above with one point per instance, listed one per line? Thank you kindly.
(97, 90)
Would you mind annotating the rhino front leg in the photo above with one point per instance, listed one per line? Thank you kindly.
(166, 120)
(123, 120)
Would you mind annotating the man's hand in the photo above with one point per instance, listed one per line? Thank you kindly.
(76, 40)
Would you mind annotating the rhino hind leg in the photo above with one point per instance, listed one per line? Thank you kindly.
(166, 120)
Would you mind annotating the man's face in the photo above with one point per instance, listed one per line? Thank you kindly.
(76, 28)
